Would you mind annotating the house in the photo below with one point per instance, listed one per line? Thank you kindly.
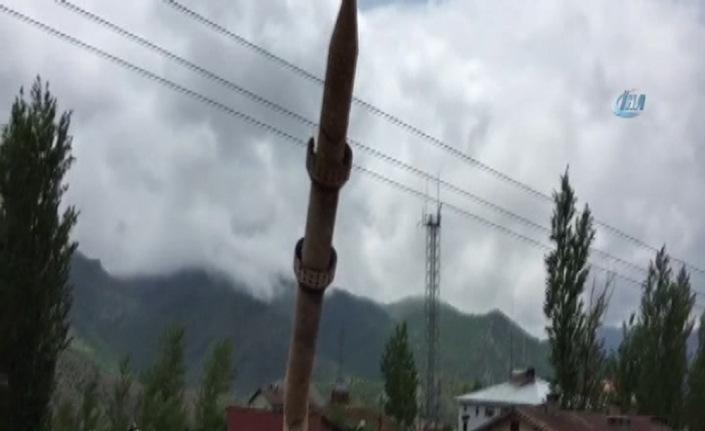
(548, 418)
(271, 398)
(523, 389)
(264, 412)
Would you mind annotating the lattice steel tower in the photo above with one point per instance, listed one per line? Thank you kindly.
(432, 387)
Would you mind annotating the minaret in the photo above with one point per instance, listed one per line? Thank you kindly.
(328, 162)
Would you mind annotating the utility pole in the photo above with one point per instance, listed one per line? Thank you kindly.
(432, 223)
(328, 162)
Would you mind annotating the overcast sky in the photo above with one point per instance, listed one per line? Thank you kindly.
(163, 181)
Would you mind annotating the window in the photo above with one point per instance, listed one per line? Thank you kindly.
(514, 425)
(489, 412)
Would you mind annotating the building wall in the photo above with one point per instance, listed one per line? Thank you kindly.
(476, 415)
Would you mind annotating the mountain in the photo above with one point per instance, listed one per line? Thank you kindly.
(128, 316)
(474, 346)
(116, 316)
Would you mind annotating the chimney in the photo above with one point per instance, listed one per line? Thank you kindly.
(531, 375)
(552, 402)
(523, 377)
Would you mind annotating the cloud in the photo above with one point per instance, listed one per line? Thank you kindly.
(163, 181)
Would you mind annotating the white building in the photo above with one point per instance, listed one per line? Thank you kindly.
(523, 389)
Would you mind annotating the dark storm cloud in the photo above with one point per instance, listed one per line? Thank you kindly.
(163, 181)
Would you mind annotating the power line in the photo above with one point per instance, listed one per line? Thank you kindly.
(310, 123)
(278, 132)
(285, 111)
(406, 126)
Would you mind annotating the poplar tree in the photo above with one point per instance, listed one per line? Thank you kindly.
(162, 400)
(400, 378)
(218, 376)
(64, 417)
(592, 353)
(575, 348)
(35, 254)
(90, 413)
(628, 366)
(662, 333)
(695, 401)
(118, 418)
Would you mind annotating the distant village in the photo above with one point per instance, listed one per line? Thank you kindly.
(522, 403)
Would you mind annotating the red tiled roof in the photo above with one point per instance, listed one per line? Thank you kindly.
(244, 419)
(543, 419)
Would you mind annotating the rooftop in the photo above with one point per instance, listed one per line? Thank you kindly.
(509, 393)
(544, 419)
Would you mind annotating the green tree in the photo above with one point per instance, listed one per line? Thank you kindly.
(593, 357)
(695, 413)
(118, 418)
(64, 417)
(162, 400)
(400, 378)
(576, 352)
(219, 373)
(35, 254)
(90, 414)
(662, 332)
(627, 366)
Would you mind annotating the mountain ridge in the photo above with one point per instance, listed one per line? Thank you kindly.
(117, 316)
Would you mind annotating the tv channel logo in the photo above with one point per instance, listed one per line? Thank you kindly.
(629, 104)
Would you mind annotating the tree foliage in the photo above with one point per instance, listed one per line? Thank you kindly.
(64, 417)
(35, 254)
(400, 378)
(161, 402)
(219, 373)
(660, 338)
(118, 417)
(695, 400)
(591, 350)
(575, 350)
(626, 367)
(90, 414)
